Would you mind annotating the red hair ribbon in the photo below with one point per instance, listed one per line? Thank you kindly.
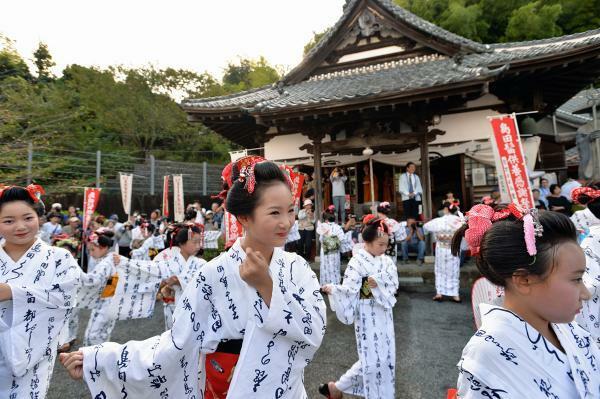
(590, 192)
(35, 191)
(368, 218)
(481, 217)
(454, 204)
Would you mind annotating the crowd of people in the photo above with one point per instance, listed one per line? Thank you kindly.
(246, 323)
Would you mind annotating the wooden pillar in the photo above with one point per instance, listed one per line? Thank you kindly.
(425, 173)
(318, 177)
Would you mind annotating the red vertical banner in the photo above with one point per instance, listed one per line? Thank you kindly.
(298, 182)
(165, 206)
(510, 160)
(91, 196)
(233, 229)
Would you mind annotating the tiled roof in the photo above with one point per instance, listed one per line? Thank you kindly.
(476, 61)
(373, 81)
(582, 100)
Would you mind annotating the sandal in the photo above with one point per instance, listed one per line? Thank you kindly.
(438, 298)
(455, 300)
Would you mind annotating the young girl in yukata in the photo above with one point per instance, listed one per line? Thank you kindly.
(530, 347)
(38, 287)
(174, 267)
(331, 236)
(447, 266)
(246, 327)
(99, 285)
(366, 298)
(589, 318)
(587, 217)
(397, 229)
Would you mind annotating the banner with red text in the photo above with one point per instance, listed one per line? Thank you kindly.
(511, 168)
(233, 229)
(91, 196)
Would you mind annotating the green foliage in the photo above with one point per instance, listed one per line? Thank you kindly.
(491, 21)
(464, 20)
(126, 113)
(534, 21)
(43, 62)
(248, 74)
(11, 63)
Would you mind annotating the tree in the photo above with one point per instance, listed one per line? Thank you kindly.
(43, 62)
(464, 20)
(11, 63)
(534, 21)
(248, 74)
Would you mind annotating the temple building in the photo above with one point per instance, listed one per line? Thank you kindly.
(385, 80)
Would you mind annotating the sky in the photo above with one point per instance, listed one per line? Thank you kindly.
(200, 35)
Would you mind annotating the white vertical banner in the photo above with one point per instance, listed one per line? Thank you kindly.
(126, 189)
(178, 204)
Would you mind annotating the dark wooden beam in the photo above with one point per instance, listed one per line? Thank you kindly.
(375, 142)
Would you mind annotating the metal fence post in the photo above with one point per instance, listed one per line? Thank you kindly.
(204, 178)
(29, 162)
(98, 167)
(152, 171)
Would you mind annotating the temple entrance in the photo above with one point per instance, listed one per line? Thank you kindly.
(447, 174)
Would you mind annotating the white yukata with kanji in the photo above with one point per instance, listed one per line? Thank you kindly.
(370, 309)
(584, 219)
(102, 318)
(278, 341)
(447, 266)
(44, 289)
(152, 242)
(507, 358)
(589, 318)
(330, 272)
(167, 263)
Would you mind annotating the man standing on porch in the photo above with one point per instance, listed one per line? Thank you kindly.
(411, 191)
(338, 193)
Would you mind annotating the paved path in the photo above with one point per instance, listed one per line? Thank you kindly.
(429, 340)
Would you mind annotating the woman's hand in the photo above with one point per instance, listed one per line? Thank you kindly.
(327, 289)
(5, 292)
(254, 270)
(372, 282)
(73, 362)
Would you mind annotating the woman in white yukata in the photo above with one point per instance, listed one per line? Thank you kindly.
(366, 298)
(530, 347)
(447, 266)
(38, 287)
(585, 218)
(589, 318)
(99, 287)
(153, 243)
(331, 236)
(174, 267)
(397, 230)
(254, 304)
